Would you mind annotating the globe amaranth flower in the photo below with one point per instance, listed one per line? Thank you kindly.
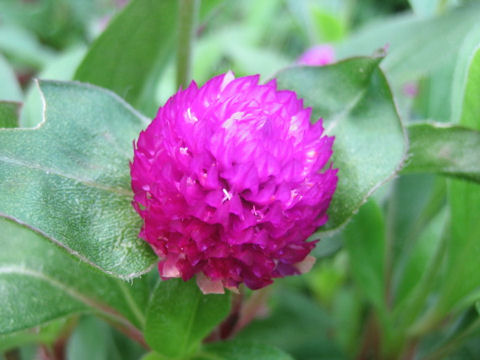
(231, 179)
(318, 55)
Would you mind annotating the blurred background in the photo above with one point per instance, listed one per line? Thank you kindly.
(325, 314)
(48, 39)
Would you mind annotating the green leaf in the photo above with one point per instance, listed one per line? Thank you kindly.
(179, 316)
(415, 46)
(462, 279)
(10, 89)
(131, 53)
(466, 73)
(328, 246)
(414, 200)
(417, 266)
(424, 8)
(470, 115)
(443, 149)
(461, 283)
(326, 280)
(45, 334)
(302, 17)
(356, 104)
(9, 113)
(247, 59)
(236, 43)
(365, 245)
(60, 68)
(69, 178)
(58, 23)
(416, 221)
(348, 311)
(23, 47)
(238, 350)
(330, 27)
(429, 103)
(301, 326)
(206, 7)
(93, 339)
(40, 282)
(153, 356)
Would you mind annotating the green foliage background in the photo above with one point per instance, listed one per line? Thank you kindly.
(397, 275)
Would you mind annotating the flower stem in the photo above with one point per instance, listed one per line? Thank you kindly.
(187, 18)
(255, 305)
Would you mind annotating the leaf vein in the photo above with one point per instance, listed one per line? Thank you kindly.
(8, 270)
(51, 171)
(340, 115)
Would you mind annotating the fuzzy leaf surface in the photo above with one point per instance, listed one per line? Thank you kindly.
(41, 282)
(68, 179)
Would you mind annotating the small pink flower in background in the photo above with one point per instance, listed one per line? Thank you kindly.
(410, 90)
(121, 3)
(317, 55)
(231, 179)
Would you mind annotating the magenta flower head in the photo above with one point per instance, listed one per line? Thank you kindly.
(318, 55)
(231, 179)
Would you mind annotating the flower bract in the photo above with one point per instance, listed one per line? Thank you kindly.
(231, 178)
